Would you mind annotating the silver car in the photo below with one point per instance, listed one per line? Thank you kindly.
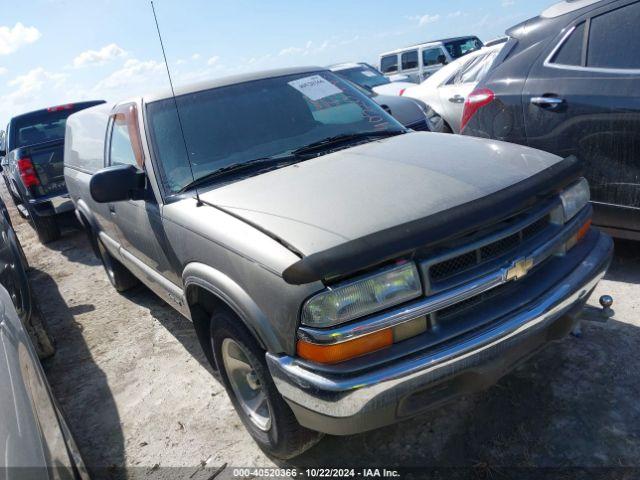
(446, 91)
(342, 272)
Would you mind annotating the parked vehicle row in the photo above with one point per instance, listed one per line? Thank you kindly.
(342, 272)
(32, 166)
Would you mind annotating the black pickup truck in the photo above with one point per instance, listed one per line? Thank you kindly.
(32, 166)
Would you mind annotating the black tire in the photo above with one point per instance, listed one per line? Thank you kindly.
(47, 228)
(285, 437)
(119, 276)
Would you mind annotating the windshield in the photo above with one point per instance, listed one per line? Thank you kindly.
(364, 76)
(259, 119)
(459, 48)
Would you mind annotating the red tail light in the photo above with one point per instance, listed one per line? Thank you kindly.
(401, 92)
(474, 102)
(28, 172)
(68, 106)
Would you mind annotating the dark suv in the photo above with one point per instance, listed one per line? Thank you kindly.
(568, 82)
(32, 166)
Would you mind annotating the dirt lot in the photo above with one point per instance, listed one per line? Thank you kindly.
(138, 392)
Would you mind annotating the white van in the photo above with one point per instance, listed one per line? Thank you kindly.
(419, 61)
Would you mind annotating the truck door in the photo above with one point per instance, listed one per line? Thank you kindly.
(139, 222)
(583, 98)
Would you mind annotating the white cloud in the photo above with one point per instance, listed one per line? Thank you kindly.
(195, 56)
(508, 3)
(99, 57)
(213, 60)
(35, 89)
(457, 13)
(309, 48)
(134, 72)
(426, 19)
(290, 51)
(11, 39)
(35, 79)
(3, 71)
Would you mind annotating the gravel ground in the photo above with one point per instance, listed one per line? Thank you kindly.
(137, 391)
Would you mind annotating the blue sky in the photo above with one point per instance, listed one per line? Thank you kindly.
(60, 51)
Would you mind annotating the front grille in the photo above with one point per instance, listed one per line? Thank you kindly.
(421, 126)
(456, 265)
(468, 304)
(491, 251)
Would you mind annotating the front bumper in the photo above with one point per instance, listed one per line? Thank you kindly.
(352, 403)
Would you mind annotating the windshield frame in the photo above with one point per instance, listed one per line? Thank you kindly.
(169, 196)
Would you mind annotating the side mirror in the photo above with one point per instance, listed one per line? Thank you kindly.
(442, 60)
(116, 184)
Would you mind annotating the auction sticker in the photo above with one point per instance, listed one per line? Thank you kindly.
(315, 87)
(367, 73)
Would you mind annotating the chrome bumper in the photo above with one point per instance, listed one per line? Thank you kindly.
(347, 404)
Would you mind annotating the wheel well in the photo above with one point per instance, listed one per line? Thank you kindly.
(89, 231)
(202, 304)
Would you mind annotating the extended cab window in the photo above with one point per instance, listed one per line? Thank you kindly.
(410, 60)
(570, 53)
(389, 64)
(120, 149)
(431, 56)
(252, 121)
(614, 39)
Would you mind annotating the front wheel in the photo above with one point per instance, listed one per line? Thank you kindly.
(253, 394)
(119, 276)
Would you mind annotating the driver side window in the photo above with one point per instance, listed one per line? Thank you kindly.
(120, 150)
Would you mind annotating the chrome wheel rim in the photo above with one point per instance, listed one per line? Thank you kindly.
(245, 384)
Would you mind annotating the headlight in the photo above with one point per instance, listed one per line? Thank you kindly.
(575, 198)
(364, 296)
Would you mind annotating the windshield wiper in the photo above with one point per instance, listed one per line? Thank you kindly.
(344, 138)
(257, 164)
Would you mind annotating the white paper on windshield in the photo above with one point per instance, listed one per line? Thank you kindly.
(367, 73)
(315, 87)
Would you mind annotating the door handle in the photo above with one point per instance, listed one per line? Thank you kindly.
(547, 102)
(112, 209)
(457, 99)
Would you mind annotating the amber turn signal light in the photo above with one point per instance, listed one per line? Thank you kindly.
(584, 229)
(339, 352)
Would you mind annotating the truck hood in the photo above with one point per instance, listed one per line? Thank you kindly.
(327, 201)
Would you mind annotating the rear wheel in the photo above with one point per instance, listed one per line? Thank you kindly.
(246, 377)
(47, 228)
(119, 276)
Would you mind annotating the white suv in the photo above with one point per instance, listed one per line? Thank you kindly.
(418, 62)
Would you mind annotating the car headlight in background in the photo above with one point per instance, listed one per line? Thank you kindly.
(575, 198)
(358, 298)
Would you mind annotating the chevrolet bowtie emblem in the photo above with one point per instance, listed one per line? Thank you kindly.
(519, 268)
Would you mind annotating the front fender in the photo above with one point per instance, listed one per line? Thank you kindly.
(235, 297)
